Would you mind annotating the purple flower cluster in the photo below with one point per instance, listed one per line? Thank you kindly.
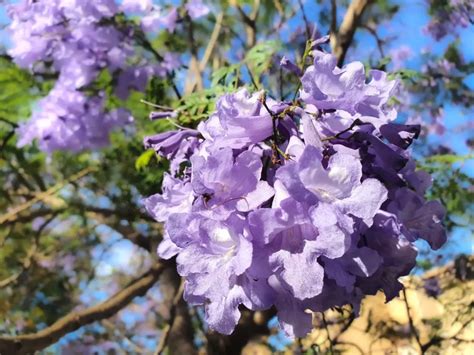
(69, 120)
(155, 17)
(77, 40)
(446, 18)
(302, 205)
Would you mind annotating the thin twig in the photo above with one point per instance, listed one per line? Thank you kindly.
(147, 45)
(113, 327)
(274, 30)
(252, 78)
(161, 107)
(200, 324)
(19, 171)
(341, 41)
(279, 7)
(30, 256)
(345, 327)
(359, 349)
(43, 195)
(166, 331)
(212, 41)
(333, 18)
(280, 80)
(410, 320)
(6, 139)
(13, 124)
(380, 42)
(305, 19)
(196, 67)
(250, 22)
(356, 122)
(194, 72)
(34, 174)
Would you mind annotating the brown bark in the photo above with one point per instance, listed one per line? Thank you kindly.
(341, 41)
(181, 334)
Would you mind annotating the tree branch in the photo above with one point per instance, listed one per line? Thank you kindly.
(305, 19)
(283, 19)
(129, 233)
(341, 41)
(194, 72)
(167, 329)
(43, 195)
(380, 42)
(29, 343)
(436, 340)
(344, 327)
(212, 41)
(199, 67)
(6, 139)
(333, 18)
(142, 40)
(178, 333)
(112, 328)
(250, 23)
(413, 330)
(30, 256)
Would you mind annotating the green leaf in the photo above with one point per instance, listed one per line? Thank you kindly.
(144, 159)
(406, 74)
(449, 158)
(221, 75)
(384, 61)
(425, 264)
(18, 90)
(258, 59)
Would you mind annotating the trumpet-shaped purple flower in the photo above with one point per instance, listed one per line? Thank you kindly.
(331, 88)
(310, 206)
(419, 219)
(177, 197)
(176, 146)
(338, 185)
(448, 18)
(397, 254)
(289, 66)
(67, 33)
(312, 221)
(400, 135)
(418, 180)
(240, 120)
(214, 254)
(224, 183)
